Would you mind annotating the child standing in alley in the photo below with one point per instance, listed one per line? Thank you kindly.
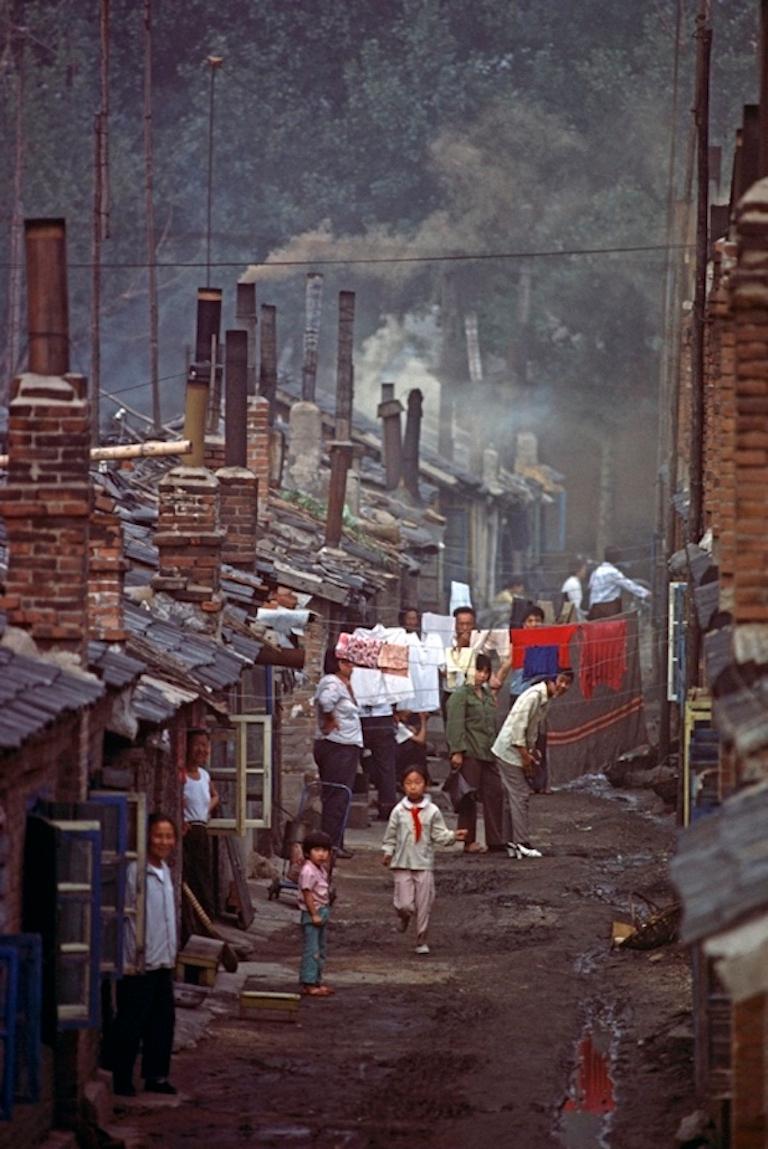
(315, 906)
(415, 826)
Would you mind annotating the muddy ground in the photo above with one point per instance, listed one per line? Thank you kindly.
(475, 1045)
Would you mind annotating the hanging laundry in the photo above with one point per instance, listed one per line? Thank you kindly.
(603, 659)
(559, 636)
(540, 662)
(393, 658)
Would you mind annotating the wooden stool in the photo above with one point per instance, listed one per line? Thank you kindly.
(199, 961)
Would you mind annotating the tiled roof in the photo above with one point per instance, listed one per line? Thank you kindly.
(35, 692)
(732, 845)
(112, 666)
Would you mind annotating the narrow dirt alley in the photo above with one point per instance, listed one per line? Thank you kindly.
(477, 1044)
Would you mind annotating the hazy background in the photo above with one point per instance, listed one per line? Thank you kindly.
(346, 129)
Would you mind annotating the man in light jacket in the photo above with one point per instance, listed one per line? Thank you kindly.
(515, 749)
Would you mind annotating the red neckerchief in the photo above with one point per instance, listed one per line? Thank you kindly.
(417, 826)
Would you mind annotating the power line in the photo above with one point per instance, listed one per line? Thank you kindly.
(459, 257)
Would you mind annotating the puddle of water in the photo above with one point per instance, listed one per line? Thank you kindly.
(585, 1115)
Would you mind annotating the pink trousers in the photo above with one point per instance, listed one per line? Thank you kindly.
(415, 893)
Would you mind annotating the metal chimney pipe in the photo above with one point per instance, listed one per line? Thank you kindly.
(268, 357)
(389, 411)
(314, 309)
(47, 303)
(196, 406)
(245, 313)
(411, 442)
(341, 457)
(345, 376)
(208, 324)
(236, 399)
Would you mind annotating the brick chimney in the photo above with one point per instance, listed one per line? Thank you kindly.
(46, 506)
(189, 537)
(46, 503)
(258, 450)
(106, 569)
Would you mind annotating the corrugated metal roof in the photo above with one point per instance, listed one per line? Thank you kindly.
(721, 867)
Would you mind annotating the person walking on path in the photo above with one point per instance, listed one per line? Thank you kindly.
(145, 1014)
(315, 905)
(414, 828)
(606, 584)
(199, 800)
(515, 749)
(470, 733)
(338, 743)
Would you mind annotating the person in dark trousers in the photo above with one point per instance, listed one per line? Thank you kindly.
(470, 733)
(145, 1016)
(199, 800)
(338, 743)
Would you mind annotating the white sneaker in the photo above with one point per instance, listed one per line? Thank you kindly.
(422, 949)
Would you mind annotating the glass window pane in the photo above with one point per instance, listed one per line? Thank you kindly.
(224, 772)
(73, 861)
(73, 981)
(74, 921)
(109, 885)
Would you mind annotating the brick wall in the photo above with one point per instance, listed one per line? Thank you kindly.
(749, 1127)
(724, 511)
(749, 300)
(46, 506)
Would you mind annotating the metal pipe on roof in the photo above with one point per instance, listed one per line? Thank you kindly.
(47, 301)
(236, 399)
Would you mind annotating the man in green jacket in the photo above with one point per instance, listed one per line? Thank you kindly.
(470, 732)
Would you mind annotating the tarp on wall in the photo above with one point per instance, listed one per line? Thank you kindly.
(586, 734)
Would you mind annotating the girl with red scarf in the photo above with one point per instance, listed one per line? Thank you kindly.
(415, 827)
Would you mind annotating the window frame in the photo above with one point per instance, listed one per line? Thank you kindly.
(9, 958)
(29, 948)
(117, 857)
(89, 832)
(240, 823)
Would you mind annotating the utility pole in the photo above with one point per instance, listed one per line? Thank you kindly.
(660, 601)
(16, 246)
(214, 63)
(100, 214)
(704, 46)
(149, 181)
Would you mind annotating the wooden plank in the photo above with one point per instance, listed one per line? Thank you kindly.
(245, 909)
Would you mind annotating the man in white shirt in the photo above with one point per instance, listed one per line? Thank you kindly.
(199, 800)
(572, 589)
(607, 583)
(515, 750)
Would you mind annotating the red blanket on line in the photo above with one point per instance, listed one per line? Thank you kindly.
(603, 655)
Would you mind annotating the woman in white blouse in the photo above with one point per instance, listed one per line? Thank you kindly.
(338, 742)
